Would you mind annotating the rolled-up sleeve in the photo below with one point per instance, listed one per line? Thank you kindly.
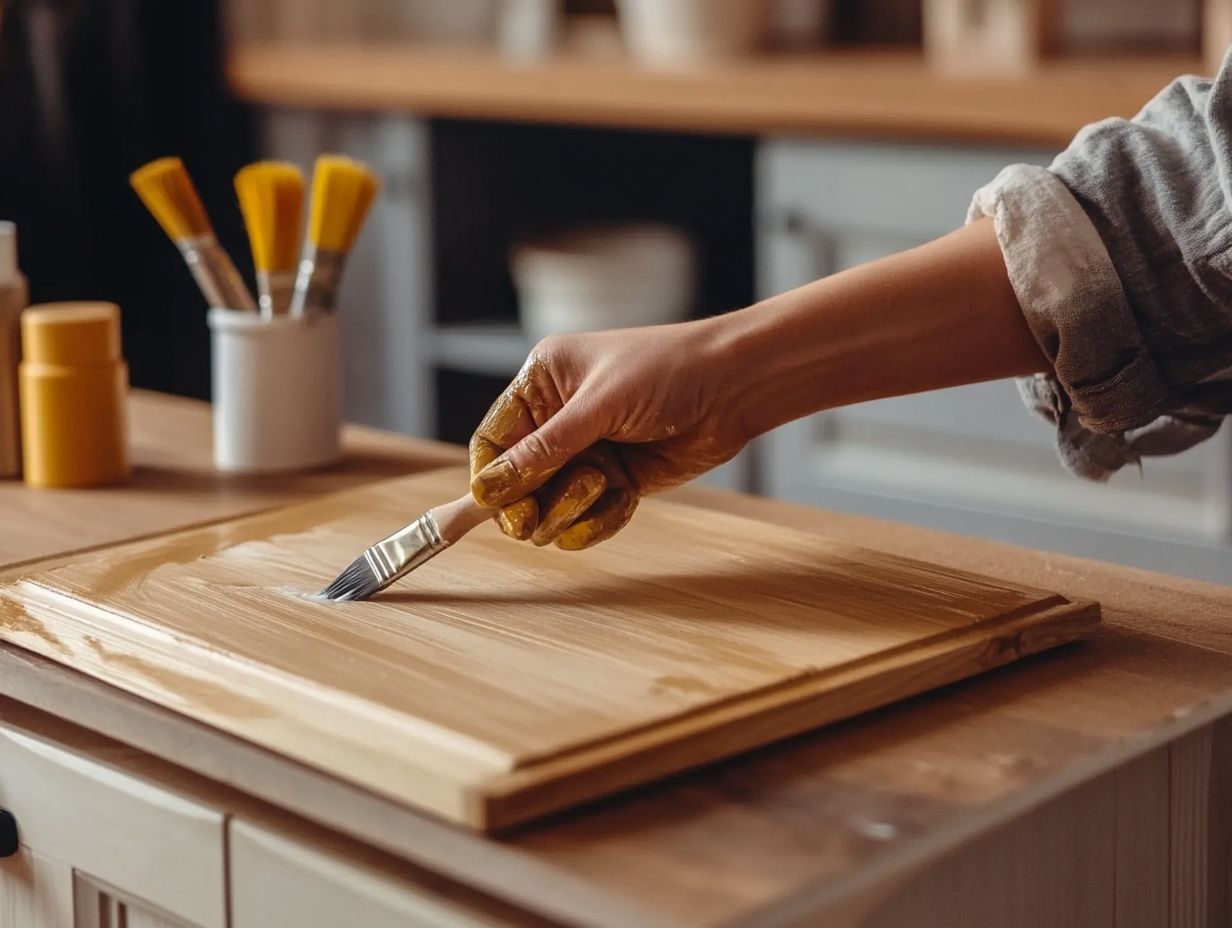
(1120, 254)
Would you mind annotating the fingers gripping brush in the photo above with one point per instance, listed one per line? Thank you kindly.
(168, 193)
(342, 193)
(271, 195)
(396, 556)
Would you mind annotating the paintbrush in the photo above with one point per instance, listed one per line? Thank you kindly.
(396, 556)
(342, 193)
(168, 193)
(271, 195)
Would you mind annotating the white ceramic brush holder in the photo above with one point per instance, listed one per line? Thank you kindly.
(277, 391)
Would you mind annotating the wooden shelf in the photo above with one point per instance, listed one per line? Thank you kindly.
(836, 92)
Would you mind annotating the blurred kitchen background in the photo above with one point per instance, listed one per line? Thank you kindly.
(580, 164)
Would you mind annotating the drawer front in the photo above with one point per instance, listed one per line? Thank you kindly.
(278, 880)
(152, 845)
(918, 191)
(829, 206)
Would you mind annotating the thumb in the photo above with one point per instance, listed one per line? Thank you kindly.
(533, 461)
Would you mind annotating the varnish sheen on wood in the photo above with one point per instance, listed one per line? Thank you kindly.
(501, 682)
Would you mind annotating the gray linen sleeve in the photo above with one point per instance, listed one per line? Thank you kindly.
(1121, 257)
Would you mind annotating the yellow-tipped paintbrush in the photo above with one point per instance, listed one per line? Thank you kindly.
(342, 193)
(271, 195)
(168, 193)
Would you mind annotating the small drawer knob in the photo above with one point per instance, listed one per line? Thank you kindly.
(8, 834)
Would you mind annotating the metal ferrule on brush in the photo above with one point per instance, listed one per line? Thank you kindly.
(316, 287)
(403, 551)
(217, 277)
(387, 561)
(275, 289)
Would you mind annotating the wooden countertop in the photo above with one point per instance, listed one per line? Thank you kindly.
(837, 92)
(809, 826)
(174, 483)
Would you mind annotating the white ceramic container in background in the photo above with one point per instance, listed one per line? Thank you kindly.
(604, 277)
(802, 23)
(450, 22)
(277, 391)
(685, 32)
(528, 29)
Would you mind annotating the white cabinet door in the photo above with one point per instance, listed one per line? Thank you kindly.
(278, 880)
(969, 459)
(96, 906)
(128, 846)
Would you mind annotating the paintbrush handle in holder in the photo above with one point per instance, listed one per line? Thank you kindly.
(277, 391)
(275, 289)
(215, 274)
(316, 285)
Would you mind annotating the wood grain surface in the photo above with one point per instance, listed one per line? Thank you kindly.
(859, 92)
(502, 682)
(174, 483)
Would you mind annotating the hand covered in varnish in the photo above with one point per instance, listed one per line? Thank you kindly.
(595, 421)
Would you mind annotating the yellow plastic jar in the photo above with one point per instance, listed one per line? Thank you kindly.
(73, 381)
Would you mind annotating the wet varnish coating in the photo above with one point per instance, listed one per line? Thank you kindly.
(501, 682)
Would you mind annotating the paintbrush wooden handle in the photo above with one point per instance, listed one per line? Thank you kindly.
(457, 518)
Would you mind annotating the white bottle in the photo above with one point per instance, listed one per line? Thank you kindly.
(13, 299)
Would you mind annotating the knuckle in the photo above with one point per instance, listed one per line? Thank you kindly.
(539, 448)
(551, 347)
(481, 450)
(544, 355)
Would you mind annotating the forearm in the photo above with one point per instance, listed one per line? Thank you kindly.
(937, 316)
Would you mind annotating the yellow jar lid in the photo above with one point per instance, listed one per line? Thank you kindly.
(71, 333)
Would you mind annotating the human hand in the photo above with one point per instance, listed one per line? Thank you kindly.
(595, 421)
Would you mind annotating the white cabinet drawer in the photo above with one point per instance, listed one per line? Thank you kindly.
(278, 880)
(913, 190)
(151, 845)
(970, 459)
(828, 206)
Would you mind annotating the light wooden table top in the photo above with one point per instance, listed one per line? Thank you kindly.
(813, 824)
(835, 92)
